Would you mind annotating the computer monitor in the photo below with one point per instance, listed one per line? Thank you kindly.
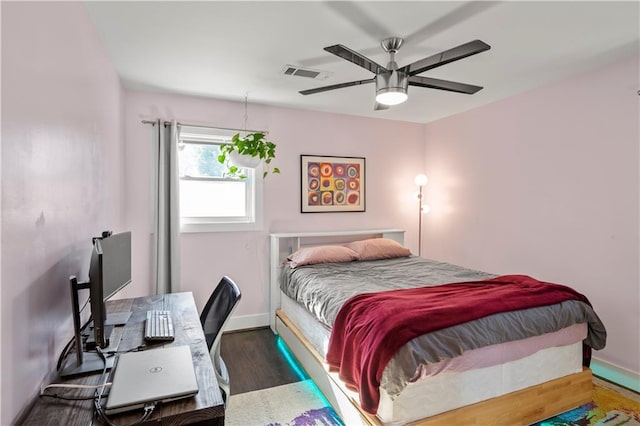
(109, 271)
(117, 267)
(96, 291)
(116, 271)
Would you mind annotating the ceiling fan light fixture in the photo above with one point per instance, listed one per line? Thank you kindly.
(391, 96)
(391, 88)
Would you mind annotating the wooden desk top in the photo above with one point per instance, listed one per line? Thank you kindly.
(206, 407)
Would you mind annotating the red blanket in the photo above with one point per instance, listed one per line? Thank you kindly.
(370, 328)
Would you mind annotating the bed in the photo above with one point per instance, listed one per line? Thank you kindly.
(459, 375)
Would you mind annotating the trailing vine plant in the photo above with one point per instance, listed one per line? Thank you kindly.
(254, 145)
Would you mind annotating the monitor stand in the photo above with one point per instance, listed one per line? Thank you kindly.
(91, 362)
(82, 361)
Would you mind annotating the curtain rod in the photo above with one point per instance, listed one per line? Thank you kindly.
(153, 123)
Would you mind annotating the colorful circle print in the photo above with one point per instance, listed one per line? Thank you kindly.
(352, 198)
(339, 170)
(326, 184)
(352, 171)
(314, 184)
(339, 197)
(314, 169)
(314, 198)
(327, 198)
(339, 184)
(326, 169)
(353, 184)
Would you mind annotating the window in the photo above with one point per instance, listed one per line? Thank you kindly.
(209, 201)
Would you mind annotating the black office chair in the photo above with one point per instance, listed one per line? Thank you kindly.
(214, 317)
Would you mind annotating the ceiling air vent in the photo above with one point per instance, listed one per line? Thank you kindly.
(305, 72)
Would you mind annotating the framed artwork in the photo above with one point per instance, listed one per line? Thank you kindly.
(332, 184)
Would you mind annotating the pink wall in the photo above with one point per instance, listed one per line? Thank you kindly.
(393, 151)
(62, 179)
(546, 183)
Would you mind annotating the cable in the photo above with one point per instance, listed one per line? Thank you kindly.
(64, 353)
(136, 349)
(67, 398)
(61, 385)
(86, 302)
(97, 401)
(69, 386)
(99, 389)
(148, 411)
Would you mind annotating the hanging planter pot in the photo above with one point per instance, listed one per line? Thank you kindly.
(244, 160)
(249, 151)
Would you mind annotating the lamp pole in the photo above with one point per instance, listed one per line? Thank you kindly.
(420, 180)
(420, 222)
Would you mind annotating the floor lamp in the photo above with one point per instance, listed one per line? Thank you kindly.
(421, 181)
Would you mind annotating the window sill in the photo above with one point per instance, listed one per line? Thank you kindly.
(187, 228)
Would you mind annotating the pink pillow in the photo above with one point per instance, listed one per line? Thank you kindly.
(378, 248)
(321, 254)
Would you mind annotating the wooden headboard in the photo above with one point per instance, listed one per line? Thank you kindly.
(283, 244)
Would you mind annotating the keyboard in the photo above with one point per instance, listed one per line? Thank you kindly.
(159, 326)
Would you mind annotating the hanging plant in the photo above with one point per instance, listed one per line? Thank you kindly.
(254, 147)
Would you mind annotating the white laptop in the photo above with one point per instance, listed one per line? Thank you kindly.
(151, 376)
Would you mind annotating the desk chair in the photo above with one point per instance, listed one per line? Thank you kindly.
(214, 317)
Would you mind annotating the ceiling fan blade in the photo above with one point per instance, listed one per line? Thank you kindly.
(449, 20)
(356, 58)
(321, 60)
(380, 107)
(436, 83)
(336, 86)
(445, 57)
(360, 18)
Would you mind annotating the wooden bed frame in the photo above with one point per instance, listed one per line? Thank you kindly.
(524, 407)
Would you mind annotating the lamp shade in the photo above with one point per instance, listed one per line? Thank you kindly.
(421, 180)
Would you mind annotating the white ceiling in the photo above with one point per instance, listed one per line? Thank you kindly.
(229, 49)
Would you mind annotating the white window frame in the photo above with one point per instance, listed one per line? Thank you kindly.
(254, 193)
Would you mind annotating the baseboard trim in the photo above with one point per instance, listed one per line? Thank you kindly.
(247, 321)
(615, 374)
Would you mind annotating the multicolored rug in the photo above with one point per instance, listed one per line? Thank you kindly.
(302, 404)
(295, 404)
(608, 408)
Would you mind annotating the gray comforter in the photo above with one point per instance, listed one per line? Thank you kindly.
(322, 289)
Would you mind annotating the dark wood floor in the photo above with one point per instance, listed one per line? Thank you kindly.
(254, 361)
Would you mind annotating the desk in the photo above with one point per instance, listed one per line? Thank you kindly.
(206, 408)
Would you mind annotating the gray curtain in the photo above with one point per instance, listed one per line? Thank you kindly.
(166, 249)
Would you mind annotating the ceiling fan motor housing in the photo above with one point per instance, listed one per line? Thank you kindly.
(394, 84)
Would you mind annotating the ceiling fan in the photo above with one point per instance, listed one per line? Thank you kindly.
(392, 82)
